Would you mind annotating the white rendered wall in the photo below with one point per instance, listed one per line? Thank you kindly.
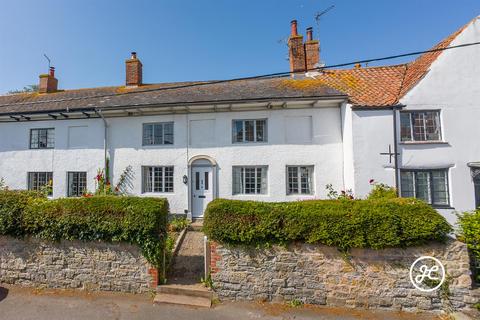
(16, 159)
(324, 151)
(453, 86)
(372, 132)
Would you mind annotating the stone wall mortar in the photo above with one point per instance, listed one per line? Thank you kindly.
(317, 274)
(96, 266)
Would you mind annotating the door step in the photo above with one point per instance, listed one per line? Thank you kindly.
(190, 295)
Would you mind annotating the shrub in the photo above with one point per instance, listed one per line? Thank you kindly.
(135, 220)
(140, 221)
(469, 232)
(12, 205)
(381, 191)
(345, 224)
(178, 224)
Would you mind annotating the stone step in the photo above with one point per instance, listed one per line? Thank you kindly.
(196, 225)
(182, 300)
(190, 295)
(185, 290)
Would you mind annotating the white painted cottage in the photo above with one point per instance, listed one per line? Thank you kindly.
(272, 139)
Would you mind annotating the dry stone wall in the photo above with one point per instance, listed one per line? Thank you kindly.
(322, 275)
(75, 265)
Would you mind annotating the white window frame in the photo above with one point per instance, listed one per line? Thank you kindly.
(265, 131)
(150, 189)
(411, 125)
(311, 175)
(152, 138)
(243, 180)
(49, 132)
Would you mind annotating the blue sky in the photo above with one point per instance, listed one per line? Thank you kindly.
(88, 41)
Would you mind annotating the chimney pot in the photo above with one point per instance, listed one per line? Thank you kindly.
(293, 25)
(309, 34)
(52, 71)
(134, 55)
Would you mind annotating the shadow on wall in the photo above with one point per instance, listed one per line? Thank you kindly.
(3, 293)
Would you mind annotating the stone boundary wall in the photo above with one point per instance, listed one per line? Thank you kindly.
(322, 275)
(96, 266)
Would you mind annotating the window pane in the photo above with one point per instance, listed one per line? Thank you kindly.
(34, 139)
(263, 175)
(158, 134)
(147, 179)
(206, 180)
(260, 134)
(168, 133)
(407, 184)
(250, 186)
(50, 138)
(237, 131)
(432, 126)
(405, 126)
(440, 187)
(249, 131)
(305, 177)
(422, 186)
(418, 126)
(157, 179)
(168, 174)
(147, 134)
(237, 180)
(292, 183)
(77, 183)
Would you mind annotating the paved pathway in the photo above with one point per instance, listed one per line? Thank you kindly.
(28, 304)
(188, 265)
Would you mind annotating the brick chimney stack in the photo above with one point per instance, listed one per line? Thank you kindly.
(303, 56)
(48, 82)
(133, 71)
(296, 51)
(312, 50)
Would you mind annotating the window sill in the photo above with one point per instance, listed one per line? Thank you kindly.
(249, 142)
(442, 207)
(153, 146)
(157, 193)
(422, 142)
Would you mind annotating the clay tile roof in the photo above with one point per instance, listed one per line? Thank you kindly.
(373, 86)
(386, 85)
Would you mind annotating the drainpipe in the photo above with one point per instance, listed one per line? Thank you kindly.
(105, 126)
(395, 146)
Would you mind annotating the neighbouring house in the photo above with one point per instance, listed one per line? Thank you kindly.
(272, 139)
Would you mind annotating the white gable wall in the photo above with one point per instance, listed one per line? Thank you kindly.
(453, 86)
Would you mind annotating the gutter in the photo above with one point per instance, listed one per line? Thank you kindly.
(105, 144)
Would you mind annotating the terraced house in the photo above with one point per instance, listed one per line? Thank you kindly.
(410, 125)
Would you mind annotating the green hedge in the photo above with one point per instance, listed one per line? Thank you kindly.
(345, 224)
(140, 221)
(12, 205)
(469, 232)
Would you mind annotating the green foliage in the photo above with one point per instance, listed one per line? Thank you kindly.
(27, 89)
(333, 194)
(295, 303)
(344, 224)
(477, 306)
(381, 191)
(178, 224)
(469, 230)
(208, 282)
(140, 221)
(3, 185)
(12, 206)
